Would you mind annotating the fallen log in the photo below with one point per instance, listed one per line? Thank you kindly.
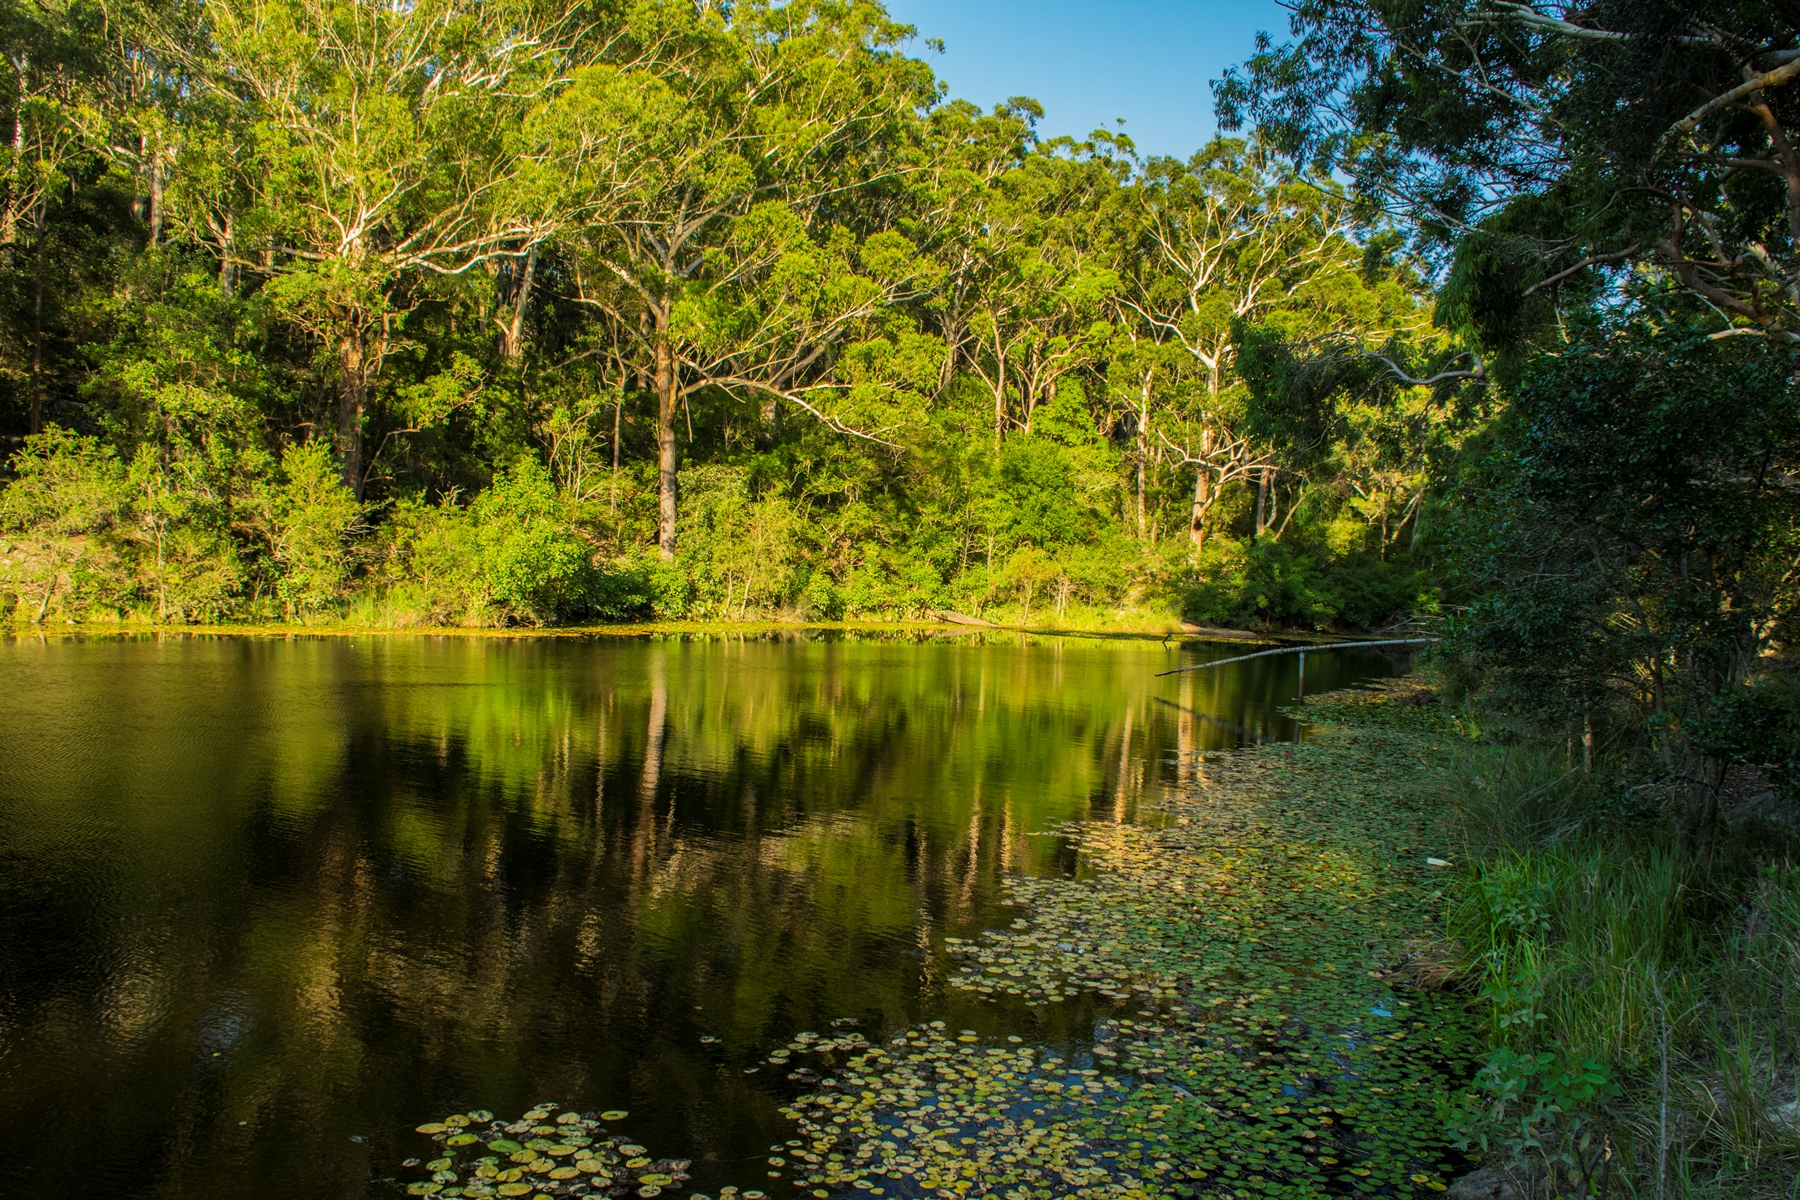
(956, 618)
(1316, 647)
(1224, 635)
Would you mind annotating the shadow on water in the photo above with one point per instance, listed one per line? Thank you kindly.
(267, 904)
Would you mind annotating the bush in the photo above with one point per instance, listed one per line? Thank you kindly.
(60, 518)
(1267, 584)
(534, 563)
(311, 516)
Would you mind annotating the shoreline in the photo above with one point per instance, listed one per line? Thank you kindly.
(674, 629)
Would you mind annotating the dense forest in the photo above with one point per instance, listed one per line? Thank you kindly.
(476, 313)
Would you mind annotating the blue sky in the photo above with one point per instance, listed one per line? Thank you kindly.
(1145, 60)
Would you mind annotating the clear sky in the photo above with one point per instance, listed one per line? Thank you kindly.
(1148, 61)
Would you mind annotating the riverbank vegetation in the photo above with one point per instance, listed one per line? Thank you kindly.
(495, 314)
(1612, 196)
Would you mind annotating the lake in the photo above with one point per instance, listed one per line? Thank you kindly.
(267, 904)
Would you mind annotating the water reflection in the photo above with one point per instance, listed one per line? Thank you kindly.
(266, 904)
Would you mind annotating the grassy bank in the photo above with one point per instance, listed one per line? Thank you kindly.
(1643, 1009)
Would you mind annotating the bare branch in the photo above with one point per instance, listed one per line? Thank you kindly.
(1768, 79)
(1591, 261)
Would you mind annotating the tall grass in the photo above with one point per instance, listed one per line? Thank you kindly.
(1643, 1011)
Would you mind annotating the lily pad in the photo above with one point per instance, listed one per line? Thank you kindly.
(614, 1114)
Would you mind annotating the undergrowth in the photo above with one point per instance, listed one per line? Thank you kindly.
(1642, 1010)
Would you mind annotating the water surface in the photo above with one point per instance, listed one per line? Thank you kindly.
(267, 904)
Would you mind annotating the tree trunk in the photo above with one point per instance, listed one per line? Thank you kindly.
(512, 335)
(227, 263)
(1203, 493)
(1704, 836)
(1262, 502)
(1143, 458)
(952, 340)
(999, 389)
(37, 325)
(9, 218)
(665, 438)
(352, 396)
(618, 416)
(156, 197)
(1202, 502)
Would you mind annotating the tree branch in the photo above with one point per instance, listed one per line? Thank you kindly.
(1768, 79)
(1584, 264)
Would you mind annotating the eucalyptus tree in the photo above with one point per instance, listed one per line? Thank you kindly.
(967, 155)
(1039, 310)
(725, 263)
(381, 150)
(1237, 239)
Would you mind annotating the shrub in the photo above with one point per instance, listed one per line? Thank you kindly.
(311, 515)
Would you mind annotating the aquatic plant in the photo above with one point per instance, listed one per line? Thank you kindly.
(1257, 1035)
(1262, 1040)
(540, 1155)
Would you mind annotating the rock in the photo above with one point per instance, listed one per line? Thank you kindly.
(1489, 1183)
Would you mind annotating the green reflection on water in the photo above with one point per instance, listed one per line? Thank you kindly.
(268, 904)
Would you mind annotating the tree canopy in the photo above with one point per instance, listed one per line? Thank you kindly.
(694, 310)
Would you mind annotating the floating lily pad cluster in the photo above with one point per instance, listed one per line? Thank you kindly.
(808, 1042)
(1261, 1041)
(542, 1154)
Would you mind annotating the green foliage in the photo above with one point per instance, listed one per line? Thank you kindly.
(554, 298)
(1632, 538)
(1275, 585)
(310, 518)
(61, 517)
(1638, 1003)
(530, 561)
(1539, 151)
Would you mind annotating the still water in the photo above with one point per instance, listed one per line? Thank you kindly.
(265, 905)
